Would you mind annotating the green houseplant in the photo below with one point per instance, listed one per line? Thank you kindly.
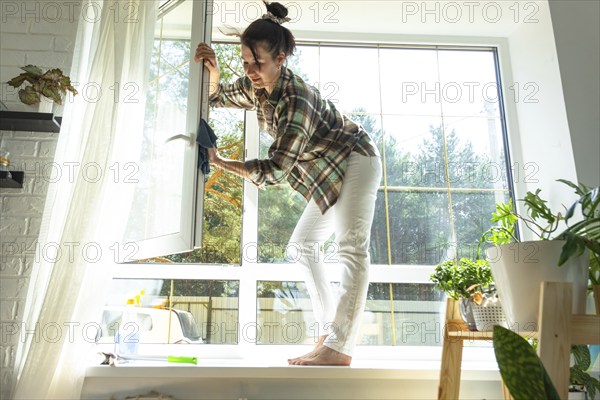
(524, 374)
(595, 279)
(52, 84)
(544, 222)
(465, 280)
(579, 375)
(519, 267)
(521, 369)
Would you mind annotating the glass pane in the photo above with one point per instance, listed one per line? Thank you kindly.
(472, 212)
(279, 209)
(370, 123)
(202, 311)
(419, 228)
(414, 151)
(409, 82)
(305, 63)
(468, 85)
(284, 314)
(413, 318)
(229, 57)
(476, 153)
(378, 245)
(223, 192)
(160, 184)
(349, 78)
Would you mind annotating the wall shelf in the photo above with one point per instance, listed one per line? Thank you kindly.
(29, 121)
(14, 182)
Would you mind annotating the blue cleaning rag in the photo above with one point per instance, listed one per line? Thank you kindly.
(206, 138)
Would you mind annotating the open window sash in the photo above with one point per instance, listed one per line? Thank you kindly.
(166, 216)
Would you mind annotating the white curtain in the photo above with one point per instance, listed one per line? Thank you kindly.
(87, 206)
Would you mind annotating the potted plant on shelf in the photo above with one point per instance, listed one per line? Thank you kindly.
(580, 379)
(52, 84)
(519, 267)
(467, 281)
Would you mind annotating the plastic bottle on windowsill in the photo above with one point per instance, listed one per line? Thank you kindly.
(4, 162)
(127, 338)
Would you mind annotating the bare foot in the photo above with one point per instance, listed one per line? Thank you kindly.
(323, 356)
(319, 344)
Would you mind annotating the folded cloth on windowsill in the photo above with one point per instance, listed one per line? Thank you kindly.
(206, 139)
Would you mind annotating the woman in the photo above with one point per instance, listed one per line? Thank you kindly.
(324, 156)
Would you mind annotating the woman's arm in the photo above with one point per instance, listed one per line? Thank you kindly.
(206, 53)
(235, 95)
(235, 167)
(295, 125)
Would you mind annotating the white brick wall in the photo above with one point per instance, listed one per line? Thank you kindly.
(31, 32)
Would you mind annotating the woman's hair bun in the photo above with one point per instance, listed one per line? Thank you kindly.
(277, 9)
(269, 33)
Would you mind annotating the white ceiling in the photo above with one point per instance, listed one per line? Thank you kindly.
(352, 18)
(374, 20)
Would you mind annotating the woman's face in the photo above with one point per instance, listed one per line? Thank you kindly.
(266, 71)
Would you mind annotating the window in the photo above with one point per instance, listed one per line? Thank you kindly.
(436, 114)
(165, 195)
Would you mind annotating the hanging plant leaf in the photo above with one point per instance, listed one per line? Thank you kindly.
(51, 92)
(18, 80)
(29, 96)
(53, 74)
(55, 95)
(32, 69)
(52, 84)
(581, 353)
(570, 248)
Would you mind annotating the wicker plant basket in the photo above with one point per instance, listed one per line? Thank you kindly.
(488, 314)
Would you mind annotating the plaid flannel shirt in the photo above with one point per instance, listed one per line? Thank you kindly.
(312, 139)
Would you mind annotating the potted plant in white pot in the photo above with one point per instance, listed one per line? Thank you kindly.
(52, 85)
(467, 281)
(519, 267)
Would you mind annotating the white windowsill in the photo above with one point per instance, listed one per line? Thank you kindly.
(239, 379)
(380, 373)
(362, 369)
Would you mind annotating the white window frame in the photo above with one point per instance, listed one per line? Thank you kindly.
(248, 273)
(190, 234)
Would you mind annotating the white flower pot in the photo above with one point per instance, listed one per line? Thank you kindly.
(46, 105)
(488, 315)
(578, 395)
(518, 270)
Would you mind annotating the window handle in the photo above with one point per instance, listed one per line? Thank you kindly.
(187, 137)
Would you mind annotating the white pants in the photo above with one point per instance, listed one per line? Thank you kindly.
(350, 219)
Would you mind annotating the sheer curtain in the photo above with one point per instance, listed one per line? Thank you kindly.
(88, 203)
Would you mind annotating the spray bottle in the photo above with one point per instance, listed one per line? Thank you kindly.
(128, 336)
